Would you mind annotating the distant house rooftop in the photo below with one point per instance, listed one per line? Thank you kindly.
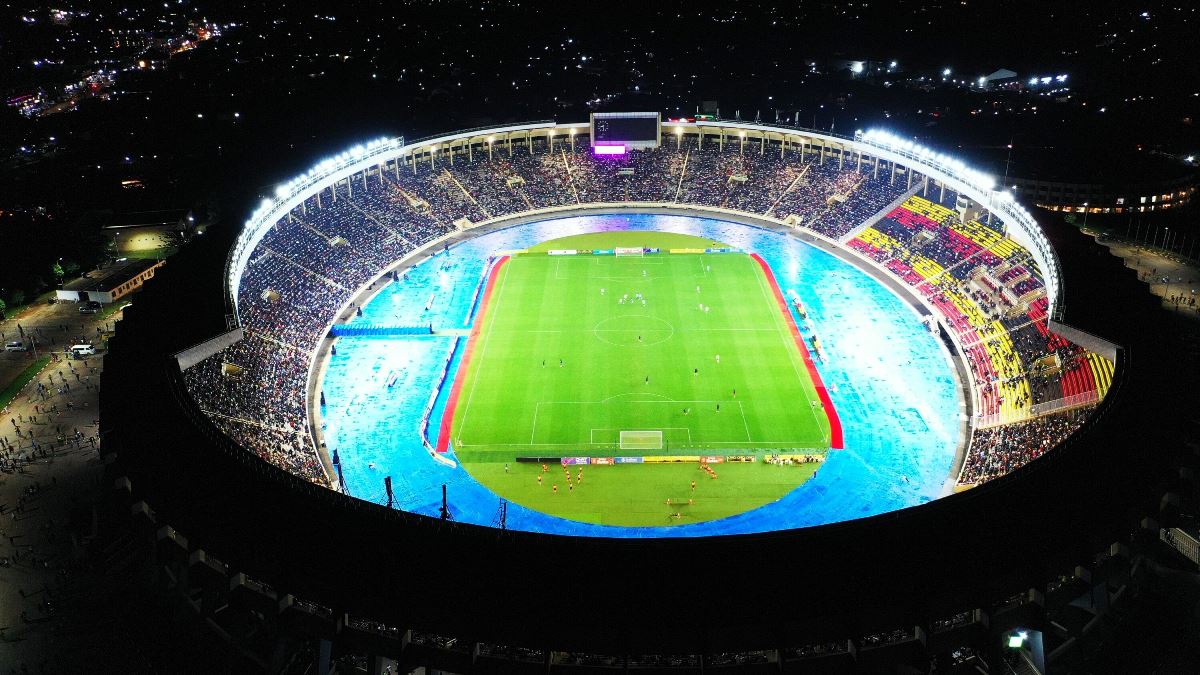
(105, 279)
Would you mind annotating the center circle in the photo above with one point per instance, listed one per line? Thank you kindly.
(634, 330)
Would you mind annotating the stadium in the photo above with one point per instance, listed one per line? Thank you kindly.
(818, 400)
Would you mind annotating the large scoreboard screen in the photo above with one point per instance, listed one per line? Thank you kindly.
(626, 130)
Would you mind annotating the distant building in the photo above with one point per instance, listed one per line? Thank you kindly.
(107, 284)
(1107, 198)
(1185, 541)
(1099, 180)
(1001, 79)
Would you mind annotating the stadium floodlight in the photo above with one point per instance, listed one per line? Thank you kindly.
(946, 72)
(856, 67)
(892, 64)
(282, 191)
(1033, 81)
(982, 80)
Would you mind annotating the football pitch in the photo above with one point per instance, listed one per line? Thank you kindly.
(569, 351)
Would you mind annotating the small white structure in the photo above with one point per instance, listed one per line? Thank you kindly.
(107, 284)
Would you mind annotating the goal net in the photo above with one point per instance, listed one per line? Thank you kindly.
(629, 252)
(641, 440)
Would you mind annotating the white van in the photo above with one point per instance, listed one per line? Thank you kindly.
(15, 346)
(82, 350)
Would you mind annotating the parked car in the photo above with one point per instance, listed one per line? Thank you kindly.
(89, 307)
(15, 346)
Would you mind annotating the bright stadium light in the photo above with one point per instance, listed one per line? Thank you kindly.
(282, 191)
(856, 67)
(946, 72)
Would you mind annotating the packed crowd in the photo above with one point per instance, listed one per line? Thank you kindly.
(311, 261)
(990, 294)
(826, 197)
(308, 264)
(998, 450)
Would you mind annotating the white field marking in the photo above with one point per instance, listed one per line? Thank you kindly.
(617, 278)
(798, 445)
(743, 330)
(666, 400)
(560, 259)
(792, 348)
(596, 330)
(533, 431)
(746, 424)
(499, 331)
(538, 406)
(640, 261)
(592, 433)
(636, 393)
(499, 295)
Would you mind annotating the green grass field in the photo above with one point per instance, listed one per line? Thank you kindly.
(626, 365)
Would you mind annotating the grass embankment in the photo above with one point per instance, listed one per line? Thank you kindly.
(10, 392)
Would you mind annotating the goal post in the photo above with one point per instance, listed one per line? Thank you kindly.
(642, 440)
(629, 252)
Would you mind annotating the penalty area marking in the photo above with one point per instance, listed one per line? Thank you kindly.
(537, 409)
(592, 434)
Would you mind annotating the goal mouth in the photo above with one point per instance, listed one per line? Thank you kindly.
(642, 440)
(629, 251)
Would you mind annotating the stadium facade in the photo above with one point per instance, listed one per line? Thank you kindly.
(862, 593)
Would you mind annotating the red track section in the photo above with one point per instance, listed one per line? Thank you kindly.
(835, 424)
(443, 440)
